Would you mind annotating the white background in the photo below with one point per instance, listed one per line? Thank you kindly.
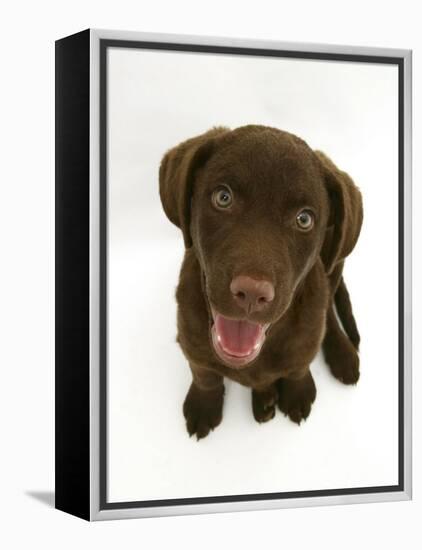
(349, 110)
(27, 275)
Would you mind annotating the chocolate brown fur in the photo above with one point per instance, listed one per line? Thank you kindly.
(273, 174)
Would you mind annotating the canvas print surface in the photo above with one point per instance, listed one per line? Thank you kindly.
(278, 194)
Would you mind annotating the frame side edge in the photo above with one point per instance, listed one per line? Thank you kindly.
(72, 275)
(407, 175)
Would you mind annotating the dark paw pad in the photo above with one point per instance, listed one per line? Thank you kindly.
(296, 411)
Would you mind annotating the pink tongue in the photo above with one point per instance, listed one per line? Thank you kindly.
(237, 338)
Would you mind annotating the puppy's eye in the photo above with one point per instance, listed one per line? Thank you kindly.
(222, 197)
(305, 220)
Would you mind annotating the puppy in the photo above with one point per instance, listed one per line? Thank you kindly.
(267, 224)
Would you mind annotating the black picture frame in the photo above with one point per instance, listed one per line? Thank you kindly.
(81, 84)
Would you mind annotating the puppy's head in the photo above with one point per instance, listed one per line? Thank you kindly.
(259, 207)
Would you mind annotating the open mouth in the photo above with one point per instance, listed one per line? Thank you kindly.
(237, 342)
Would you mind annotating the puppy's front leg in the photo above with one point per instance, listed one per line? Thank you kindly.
(203, 406)
(296, 395)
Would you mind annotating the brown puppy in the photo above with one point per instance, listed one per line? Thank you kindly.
(267, 223)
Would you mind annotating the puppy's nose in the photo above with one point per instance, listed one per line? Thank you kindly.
(252, 294)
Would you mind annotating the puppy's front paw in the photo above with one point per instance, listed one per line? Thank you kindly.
(263, 404)
(296, 397)
(203, 410)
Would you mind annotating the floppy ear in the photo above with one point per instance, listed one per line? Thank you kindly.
(346, 214)
(177, 175)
